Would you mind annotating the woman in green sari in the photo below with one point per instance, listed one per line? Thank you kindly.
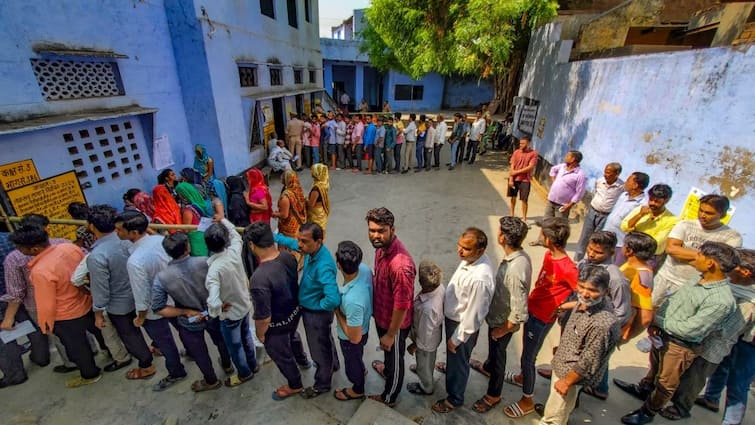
(193, 208)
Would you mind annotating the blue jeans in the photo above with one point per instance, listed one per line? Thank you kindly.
(238, 339)
(419, 152)
(594, 221)
(734, 373)
(378, 158)
(454, 150)
(457, 365)
(533, 337)
(315, 155)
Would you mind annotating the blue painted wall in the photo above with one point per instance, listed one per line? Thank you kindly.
(685, 118)
(432, 96)
(138, 30)
(466, 93)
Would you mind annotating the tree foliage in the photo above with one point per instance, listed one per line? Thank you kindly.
(484, 38)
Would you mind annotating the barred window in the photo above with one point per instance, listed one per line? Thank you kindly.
(297, 76)
(248, 76)
(275, 77)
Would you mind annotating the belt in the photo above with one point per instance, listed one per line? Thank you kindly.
(681, 342)
(600, 212)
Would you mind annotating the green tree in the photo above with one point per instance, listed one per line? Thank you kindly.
(482, 38)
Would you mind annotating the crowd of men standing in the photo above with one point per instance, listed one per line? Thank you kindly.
(687, 283)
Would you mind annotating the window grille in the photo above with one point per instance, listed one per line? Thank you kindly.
(275, 77)
(61, 79)
(248, 76)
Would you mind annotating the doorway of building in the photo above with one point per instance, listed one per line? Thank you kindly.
(279, 117)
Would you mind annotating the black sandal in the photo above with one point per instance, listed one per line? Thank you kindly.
(673, 413)
(706, 404)
(312, 392)
(416, 388)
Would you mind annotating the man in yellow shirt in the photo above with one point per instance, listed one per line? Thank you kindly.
(653, 219)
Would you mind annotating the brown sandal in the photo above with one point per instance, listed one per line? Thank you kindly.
(483, 405)
(443, 406)
(479, 366)
(202, 385)
(284, 392)
(141, 373)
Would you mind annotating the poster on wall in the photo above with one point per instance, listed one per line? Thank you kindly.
(268, 119)
(692, 203)
(49, 197)
(16, 174)
(161, 152)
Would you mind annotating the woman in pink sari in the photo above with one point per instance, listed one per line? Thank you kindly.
(258, 198)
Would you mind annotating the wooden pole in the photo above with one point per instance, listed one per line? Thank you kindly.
(72, 222)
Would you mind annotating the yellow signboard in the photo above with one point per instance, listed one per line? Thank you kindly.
(692, 204)
(49, 197)
(17, 174)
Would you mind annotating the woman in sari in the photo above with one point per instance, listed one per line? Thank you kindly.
(292, 206)
(238, 210)
(203, 164)
(258, 197)
(143, 202)
(194, 208)
(318, 203)
(167, 210)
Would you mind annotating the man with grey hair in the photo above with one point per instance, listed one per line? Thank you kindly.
(606, 192)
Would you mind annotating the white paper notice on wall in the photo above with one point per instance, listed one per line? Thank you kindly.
(161, 153)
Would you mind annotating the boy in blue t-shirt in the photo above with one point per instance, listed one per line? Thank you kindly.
(353, 317)
(369, 143)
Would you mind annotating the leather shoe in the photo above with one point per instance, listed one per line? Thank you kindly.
(112, 367)
(632, 389)
(638, 417)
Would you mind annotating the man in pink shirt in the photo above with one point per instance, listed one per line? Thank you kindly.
(357, 141)
(62, 308)
(522, 164)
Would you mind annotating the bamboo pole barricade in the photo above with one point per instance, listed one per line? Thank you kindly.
(72, 222)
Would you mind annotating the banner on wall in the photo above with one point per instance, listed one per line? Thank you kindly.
(692, 204)
(16, 174)
(49, 197)
(161, 153)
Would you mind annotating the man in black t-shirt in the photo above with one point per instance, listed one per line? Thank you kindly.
(275, 295)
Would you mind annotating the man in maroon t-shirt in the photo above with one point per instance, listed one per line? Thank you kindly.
(523, 162)
(392, 302)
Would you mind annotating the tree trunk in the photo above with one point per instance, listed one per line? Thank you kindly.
(513, 79)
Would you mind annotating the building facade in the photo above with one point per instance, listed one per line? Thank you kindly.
(118, 92)
(347, 70)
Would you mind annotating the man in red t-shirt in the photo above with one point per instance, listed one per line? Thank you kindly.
(392, 301)
(557, 280)
(523, 161)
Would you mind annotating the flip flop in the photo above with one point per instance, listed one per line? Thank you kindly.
(443, 406)
(510, 378)
(484, 406)
(278, 395)
(141, 373)
(479, 366)
(514, 411)
(381, 372)
(345, 396)
(236, 380)
(440, 367)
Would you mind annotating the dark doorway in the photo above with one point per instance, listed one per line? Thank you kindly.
(279, 117)
(338, 88)
(299, 104)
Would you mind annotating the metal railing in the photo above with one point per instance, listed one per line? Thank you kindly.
(72, 222)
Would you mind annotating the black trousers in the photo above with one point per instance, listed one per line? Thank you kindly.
(428, 156)
(196, 346)
(132, 337)
(159, 331)
(397, 158)
(359, 156)
(40, 343)
(472, 151)
(353, 360)
(280, 348)
(348, 151)
(297, 346)
(460, 151)
(73, 335)
(436, 155)
(394, 365)
(496, 363)
(322, 348)
(457, 365)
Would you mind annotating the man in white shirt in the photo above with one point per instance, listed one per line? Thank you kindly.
(475, 135)
(440, 138)
(229, 299)
(633, 197)
(146, 260)
(410, 133)
(607, 191)
(466, 304)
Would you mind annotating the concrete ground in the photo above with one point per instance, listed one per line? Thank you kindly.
(431, 209)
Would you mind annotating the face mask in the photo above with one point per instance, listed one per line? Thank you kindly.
(590, 302)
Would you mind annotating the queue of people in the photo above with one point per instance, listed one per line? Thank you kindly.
(687, 283)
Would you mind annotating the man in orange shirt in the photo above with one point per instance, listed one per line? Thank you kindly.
(62, 308)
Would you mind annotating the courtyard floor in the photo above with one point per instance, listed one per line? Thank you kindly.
(432, 209)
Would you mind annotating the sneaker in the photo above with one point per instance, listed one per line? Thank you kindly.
(167, 382)
(80, 382)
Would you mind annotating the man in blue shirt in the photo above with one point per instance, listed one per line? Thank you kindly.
(369, 143)
(318, 297)
(353, 316)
